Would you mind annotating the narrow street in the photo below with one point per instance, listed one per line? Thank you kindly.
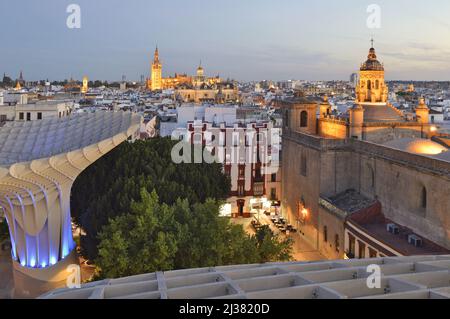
(302, 250)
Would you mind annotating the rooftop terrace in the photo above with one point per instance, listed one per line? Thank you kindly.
(419, 277)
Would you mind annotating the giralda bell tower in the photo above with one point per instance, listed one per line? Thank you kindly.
(156, 73)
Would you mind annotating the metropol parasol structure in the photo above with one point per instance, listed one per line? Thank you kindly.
(39, 162)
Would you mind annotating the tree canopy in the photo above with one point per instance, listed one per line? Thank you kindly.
(158, 237)
(142, 213)
(107, 188)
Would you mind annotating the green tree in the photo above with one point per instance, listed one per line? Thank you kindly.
(139, 242)
(155, 237)
(271, 247)
(107, 188)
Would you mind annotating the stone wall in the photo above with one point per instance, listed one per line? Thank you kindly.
(335, 226)
(394, 177)
(384, 133)
(333, 128)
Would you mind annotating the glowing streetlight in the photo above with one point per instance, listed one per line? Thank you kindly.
(304, 212)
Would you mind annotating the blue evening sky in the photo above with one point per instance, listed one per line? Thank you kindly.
(241, 39)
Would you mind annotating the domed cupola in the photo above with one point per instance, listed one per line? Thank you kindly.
(372, 64)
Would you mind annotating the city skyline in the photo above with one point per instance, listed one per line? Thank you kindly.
(245, 41)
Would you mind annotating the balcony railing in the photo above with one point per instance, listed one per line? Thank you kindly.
(258, 188)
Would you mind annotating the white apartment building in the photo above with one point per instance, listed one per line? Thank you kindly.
(255, 179)
(16, 107)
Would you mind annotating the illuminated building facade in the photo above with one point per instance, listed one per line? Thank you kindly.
(372, 118)
(85, 85)
(156, 73)
(347, 178)
(255, 184)
(157, 82)
(39, 162)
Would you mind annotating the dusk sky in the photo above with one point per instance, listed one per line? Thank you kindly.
(241, 39)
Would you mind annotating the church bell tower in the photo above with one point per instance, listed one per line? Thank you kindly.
(156, 73)
(371, 87)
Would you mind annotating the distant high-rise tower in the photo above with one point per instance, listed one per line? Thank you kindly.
(354, 79)
(156, 73)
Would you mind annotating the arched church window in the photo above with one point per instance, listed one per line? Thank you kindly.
(369, 85)
(424, 198)
(303, 119)
(371, 176)
(377, 84)
(286, 118)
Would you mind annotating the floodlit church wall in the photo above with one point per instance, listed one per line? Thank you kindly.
(332, 129)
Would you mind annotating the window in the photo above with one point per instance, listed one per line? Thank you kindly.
(2, 118)
(377, 84)
(362, 250)
(39, 116)
(241, 190)
(286, 118)
(373, 177)
(241, 171)
(28, 116)
(336, 242)
(258, 175)
(371, 174)
(273, 194)
(258, 189)
(369, 85)
(303, 165)
(273, 177)
(424, 198)
(325, 234)
(351, 246)
(21, 116)
(303, 119)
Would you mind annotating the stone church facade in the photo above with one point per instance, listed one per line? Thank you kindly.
(368, 183)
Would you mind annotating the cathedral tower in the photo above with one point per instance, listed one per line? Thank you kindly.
(422, 112)
(156, 73)
(371, 87)
(85, 85)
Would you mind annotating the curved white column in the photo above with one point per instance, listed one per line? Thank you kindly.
(39, 162)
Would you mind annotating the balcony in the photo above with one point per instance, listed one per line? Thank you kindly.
(258, 188)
